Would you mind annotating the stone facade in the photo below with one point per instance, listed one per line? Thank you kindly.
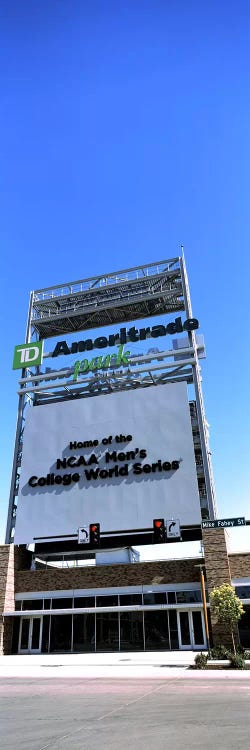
(105, 576)
(222, 567)
(240, 565)
(7, 595)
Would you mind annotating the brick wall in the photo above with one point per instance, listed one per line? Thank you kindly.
(7, 598)
(216, 557)
(240, 565)
(217, 572)
(151, 573)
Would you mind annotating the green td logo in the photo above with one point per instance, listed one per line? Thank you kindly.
(27, 354)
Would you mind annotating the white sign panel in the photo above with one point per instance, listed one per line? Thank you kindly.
(173, 528)
(120, 460)
(83, 535)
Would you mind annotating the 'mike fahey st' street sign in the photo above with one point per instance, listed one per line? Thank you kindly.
(223, 523)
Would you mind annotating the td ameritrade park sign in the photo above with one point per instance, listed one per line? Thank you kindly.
(120, 358)
(31, 355)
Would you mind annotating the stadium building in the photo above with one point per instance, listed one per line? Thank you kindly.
(111, 454)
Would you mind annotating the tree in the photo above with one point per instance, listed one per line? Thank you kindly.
(227, 606)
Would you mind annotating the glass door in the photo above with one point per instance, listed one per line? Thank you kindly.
(30, 635)
(198, 629)
(191, 629)
(184, 630)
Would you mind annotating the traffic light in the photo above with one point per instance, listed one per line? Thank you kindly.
(159, 536)
(94, 535)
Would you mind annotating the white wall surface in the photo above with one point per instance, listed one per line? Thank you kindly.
(158, 420)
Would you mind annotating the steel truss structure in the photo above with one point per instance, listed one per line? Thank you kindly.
(129, 295)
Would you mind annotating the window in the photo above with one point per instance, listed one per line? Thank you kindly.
(107, 631)
(32, 604)
(243, 592)
(188, 597)
(171, 597)
(107, 601)
(174, 638)
(127, 599)
(84, 601)
(156, 630)
(244, 628)
(155, 598)
(60, 633)
(62, 603)
(84, 632)
(45, 634)
(131, 629)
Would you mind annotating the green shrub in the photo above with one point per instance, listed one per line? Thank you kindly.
(237, 661)
(240, 650)
(200, 661)
(246, 654)
(219, 652)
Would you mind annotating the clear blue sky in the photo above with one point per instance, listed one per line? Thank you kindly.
(124, 133)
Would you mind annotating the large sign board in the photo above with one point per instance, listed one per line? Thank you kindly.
(120, 459)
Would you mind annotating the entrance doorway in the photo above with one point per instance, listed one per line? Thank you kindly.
(191, 629)
(30, 635)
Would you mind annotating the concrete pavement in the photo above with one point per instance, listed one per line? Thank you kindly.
(190, 710)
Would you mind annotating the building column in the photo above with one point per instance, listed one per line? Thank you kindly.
(7, 598)
(217, 573)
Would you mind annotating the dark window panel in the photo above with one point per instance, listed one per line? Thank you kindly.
(62, 603)
(155, 598)
(243, 592)
(32, 604)
(244, 628)
(36, 626)
(45, 634)
(156, 631)
(25, 629)
(15, 635)
(174, 638)
(185, 629)
(107, 601)
(131, 630)
(197, 627)
(130, 599)
(107, 631)
(188, 597)
(171, 597)
(84, 633)
(84, 601)
(60, 633)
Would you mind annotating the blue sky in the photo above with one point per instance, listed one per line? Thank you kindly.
(125, 133)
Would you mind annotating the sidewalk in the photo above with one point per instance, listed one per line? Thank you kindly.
(126, 664)
(113, 666)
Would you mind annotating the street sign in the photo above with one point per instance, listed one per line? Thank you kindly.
(83, 535)
(223, 523)
(173, 528)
